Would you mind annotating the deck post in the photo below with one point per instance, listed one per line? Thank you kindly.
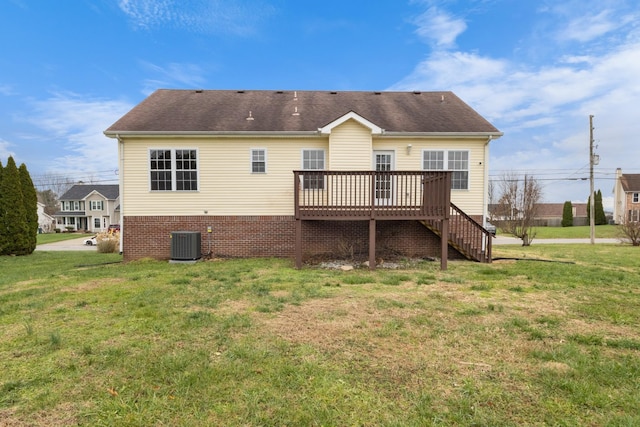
(444, 244)
(298, 244)
(444, 237)
(372, 244)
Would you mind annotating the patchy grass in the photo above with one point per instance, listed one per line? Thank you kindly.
(90, 341)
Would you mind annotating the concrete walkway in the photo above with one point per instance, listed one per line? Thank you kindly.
(67, 245)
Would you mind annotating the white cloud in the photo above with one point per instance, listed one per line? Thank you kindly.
(238, 17)
(588, 27)
(543, 108)
(4, 151)
(439, 28)
(6, 90)
(172, 75)
(79, 122)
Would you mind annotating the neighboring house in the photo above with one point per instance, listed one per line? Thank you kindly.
(89, 207)
(626, 197)
(547, 214)
(45, 221)
(550, 214)
(304, 173)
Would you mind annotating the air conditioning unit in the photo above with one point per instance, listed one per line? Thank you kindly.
(185, 245)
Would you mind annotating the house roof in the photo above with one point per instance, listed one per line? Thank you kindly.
(548, 210)
(80, 191)
(551, 210)
(231, 111)
(630, 182)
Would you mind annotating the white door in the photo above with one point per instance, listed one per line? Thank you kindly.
(383, 162)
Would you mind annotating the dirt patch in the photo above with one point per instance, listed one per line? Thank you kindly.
(59, 416)
(25, 285)
(561, 368)
(93, 284)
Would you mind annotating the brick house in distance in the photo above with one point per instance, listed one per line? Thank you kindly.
(305, 173)
(626, 197)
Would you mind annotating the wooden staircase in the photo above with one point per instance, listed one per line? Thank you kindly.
(466, 235)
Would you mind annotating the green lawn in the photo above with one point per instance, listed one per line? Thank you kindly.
(57, 237)
(88, 340)
(581, 232)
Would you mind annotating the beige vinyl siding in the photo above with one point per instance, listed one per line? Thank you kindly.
(471, 200)
(350, 147)
(226, 184)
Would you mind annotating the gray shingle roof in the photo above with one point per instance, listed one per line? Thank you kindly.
(630, 182)
(168, 111)
(80, 191)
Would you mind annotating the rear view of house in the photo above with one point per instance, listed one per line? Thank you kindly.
(304, 173)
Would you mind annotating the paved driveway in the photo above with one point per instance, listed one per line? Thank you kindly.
(67, 245)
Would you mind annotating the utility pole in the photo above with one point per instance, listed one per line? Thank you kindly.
(592, 211)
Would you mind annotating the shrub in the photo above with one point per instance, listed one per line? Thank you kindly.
(567, 215)
(108, 242)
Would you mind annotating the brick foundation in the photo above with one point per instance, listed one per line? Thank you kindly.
(274, 236)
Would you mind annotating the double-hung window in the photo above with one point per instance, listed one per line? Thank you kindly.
(258, 160)
(635, 198)
(173, 170)
(96, 205)
(313, 160)
(456, 161)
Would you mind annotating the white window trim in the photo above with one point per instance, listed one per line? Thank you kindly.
(446, 164)
(251, 151)
(324, 158)
(324, 163)
(173, 169)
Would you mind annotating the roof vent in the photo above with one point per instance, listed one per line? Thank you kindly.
(250, 116)
(442, 98)
(279, 91)
(417, 92)
(377, 93)
(333, 93)
(295, 112)
(240, 91)
(198, 90)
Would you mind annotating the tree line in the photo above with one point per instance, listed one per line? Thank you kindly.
(18, 210)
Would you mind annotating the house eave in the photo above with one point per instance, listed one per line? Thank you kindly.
(445, 135)
(295, 134)
(207, 134)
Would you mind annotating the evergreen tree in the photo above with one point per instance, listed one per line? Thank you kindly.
(567, 215)
(3, 237)
(30, 200)
(14, 229)
(601, 218)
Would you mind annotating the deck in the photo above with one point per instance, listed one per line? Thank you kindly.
(372, 195)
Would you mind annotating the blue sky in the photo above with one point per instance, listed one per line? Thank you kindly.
(535, 68)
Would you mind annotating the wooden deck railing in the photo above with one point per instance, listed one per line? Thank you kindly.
(392, 195)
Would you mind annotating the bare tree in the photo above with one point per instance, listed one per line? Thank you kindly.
(55, 182)
(631, 230)
(492, 201)
(517, 205)
(50, 201)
